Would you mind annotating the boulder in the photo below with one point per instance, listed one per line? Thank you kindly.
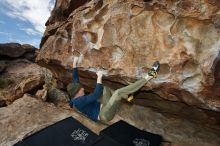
(60, 14)
(125, 38)
(21, 76)
(15, 50)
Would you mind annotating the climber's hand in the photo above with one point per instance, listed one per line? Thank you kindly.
(75, 61)
(99, 76)
(99, 73)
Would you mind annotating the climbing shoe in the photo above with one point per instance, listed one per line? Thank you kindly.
(130, 98)
(154, 69)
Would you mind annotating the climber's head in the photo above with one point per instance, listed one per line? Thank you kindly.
(75, 90)
(80, 93)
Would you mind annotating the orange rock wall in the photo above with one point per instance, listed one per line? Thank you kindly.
(126, 36)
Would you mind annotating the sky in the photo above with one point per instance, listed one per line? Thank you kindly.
(23, 21)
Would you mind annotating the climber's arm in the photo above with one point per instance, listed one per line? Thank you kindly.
(75, 70)
(81, 101)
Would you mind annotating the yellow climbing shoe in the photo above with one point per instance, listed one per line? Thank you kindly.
(130, 98)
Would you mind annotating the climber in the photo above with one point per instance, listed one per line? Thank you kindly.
(105, 111)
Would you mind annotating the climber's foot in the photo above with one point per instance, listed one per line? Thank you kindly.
(154, 69)
(130, 98)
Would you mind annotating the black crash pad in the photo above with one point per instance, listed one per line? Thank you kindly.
(129, 135)
(105, 141)
(68, 132)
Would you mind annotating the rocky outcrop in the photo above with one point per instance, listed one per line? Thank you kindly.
(59, 15)
(126, 37)
(18, 72)
(15, 50)
(20, 77)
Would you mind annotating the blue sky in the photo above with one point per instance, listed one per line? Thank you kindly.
(23, 21)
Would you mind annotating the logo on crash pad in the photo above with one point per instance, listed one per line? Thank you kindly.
(141, 142)
(79, 135)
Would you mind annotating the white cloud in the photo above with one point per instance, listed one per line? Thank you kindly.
(5, 33)
(35, 11)
(30, 31)
(34, 42)
(12, 38)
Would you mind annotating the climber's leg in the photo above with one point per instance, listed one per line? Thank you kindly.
(107, 93)
(109, 110)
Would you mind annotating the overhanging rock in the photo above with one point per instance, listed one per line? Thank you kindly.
(126, 37)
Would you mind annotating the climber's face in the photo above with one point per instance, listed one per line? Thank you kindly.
(80, 93)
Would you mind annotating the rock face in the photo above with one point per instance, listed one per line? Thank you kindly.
(20, 77)
(126, 37)
(18, 72)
